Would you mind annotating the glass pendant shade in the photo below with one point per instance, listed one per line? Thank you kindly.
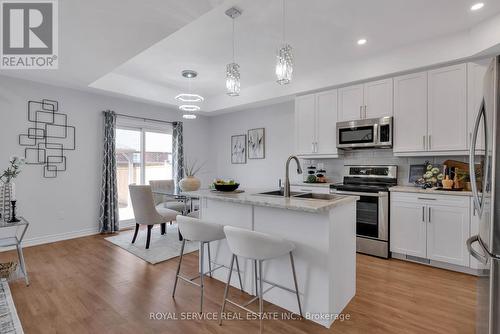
(189, 107)
(187, 97)
(189, 116)
(233, 79)
(284, 64)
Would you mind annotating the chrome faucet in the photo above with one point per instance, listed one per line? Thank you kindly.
(287, 174)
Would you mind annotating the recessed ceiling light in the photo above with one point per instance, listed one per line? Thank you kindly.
(477, 6)
(362, 41)
(189, 116)
(189, 107)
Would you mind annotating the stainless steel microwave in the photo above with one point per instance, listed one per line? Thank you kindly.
(365, 133)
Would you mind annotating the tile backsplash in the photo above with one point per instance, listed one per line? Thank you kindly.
(335, 167)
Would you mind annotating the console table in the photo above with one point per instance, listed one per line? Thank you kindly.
(12, 234)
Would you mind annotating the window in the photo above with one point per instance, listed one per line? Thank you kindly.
(143, 153)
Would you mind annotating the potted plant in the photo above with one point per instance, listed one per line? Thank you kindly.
(190, 182)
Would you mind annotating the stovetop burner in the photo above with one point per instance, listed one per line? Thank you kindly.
(370, 179)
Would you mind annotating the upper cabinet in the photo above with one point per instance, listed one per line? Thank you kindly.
(430, 112)
(475, 85)
(447, 109)
(315, 121)
(410, 113)
(369, 100)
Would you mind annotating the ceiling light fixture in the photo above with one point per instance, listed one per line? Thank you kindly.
(189, 107)
(362, 41)
(477, 6)
(284, 56)
(233, 85)
(188, 97)
(189, 116)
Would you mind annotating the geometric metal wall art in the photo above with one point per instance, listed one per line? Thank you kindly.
(48, 137)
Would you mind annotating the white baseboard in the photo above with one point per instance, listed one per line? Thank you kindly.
(46, 239)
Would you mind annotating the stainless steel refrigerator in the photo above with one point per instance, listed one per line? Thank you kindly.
(485, 247)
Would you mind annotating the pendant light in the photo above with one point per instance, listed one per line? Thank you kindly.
(233, 69)
(187, 99)
(284, 56)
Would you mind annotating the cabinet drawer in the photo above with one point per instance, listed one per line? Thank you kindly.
(306, 189)
(431, 199)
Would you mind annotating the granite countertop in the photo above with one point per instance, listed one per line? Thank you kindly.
(252, 197)
(414, 189)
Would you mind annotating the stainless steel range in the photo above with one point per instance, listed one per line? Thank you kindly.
(371, 184)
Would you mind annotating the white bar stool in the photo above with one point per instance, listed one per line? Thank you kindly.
(258, 247)
(193, 229)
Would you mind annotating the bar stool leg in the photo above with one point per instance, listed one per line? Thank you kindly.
(178, 268)
(202, 251)
(239, 274)
(295, 282)
(261, 297)
(256, 279)
(226, 290)
(209, 260)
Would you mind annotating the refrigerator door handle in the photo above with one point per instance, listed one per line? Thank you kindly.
(472, 155)
(481, 258)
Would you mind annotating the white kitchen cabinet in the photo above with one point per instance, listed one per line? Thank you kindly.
(315, 120)
(326, 120)
(378, 98)
(475, 83)
(447, 109)
(351, 104)
(428, 226)
(447, 234)
(370, 100)
(305, 124)
(410, 113)
(408, 228)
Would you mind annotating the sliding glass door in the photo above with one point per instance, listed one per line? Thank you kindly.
(142, 154)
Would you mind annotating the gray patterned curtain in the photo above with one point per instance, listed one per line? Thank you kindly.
(177, 153)
(108, 220)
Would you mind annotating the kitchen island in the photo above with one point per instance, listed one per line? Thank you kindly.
(323, 231)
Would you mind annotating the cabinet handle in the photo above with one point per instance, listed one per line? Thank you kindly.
(423, 214)
(423, 141)
(426, 198)
(429, 214)
(361, 112)
(312, 147)
(316, 144)
(429, 142)
(365, 112)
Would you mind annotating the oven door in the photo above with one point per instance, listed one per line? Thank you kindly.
(357, 136)
(372, 214)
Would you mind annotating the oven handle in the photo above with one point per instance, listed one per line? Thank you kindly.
(355, 193)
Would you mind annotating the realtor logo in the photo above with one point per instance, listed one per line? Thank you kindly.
(29, 34)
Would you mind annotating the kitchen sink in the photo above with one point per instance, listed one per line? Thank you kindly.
(326, 197)
(280, 193)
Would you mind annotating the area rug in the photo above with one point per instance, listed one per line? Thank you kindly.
(9, 321)
(161, 248)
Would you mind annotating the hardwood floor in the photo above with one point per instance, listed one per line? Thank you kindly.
(88, 285)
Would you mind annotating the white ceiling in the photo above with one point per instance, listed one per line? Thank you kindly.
(139, 48)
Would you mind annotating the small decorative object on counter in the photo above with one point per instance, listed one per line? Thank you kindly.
(311, 178)
(320, 176)
(432, 176)
(190, 182)
(13, 218)
(226, 186)
(447, 183)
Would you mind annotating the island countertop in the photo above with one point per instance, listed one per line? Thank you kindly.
(252, 197)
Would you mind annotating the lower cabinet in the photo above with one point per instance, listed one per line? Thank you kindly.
(433, 227)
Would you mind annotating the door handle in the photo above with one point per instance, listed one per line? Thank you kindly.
(481, 258)
(423, 214)
(429, 214)
(312, 147)
(423, 141)
(429, 142)
(365, 111)
(361, 112)
(316, 144)
(472, 154)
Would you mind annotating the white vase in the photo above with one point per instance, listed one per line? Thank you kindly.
(190, 183)
(6, 190)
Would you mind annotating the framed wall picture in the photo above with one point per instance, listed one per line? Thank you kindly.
(256, 143)
(239, 149)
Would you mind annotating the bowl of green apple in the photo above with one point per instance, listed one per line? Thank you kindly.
(221, 185)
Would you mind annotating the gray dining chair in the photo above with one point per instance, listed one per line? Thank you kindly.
(146, 213)
(162, 201)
